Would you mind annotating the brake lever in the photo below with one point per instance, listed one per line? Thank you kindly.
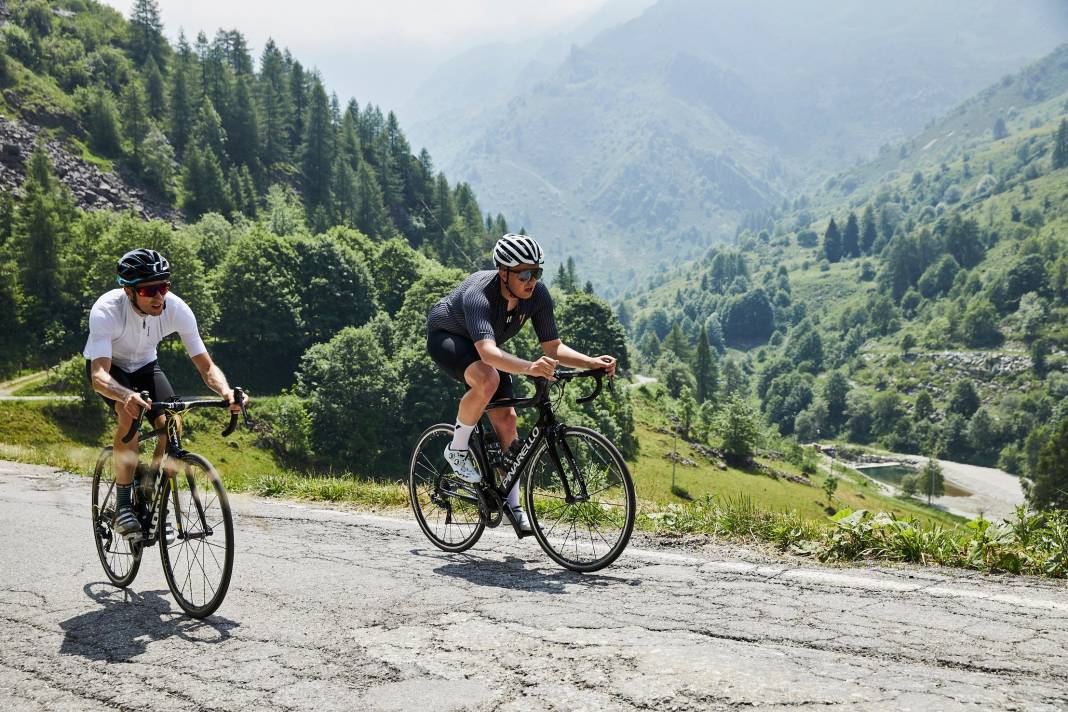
(136, 425)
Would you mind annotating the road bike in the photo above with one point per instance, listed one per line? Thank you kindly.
(578, 491)
(182, 504)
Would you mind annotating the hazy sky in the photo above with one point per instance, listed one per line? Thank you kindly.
(373, 50)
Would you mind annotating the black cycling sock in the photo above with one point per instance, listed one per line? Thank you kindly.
(122, 496)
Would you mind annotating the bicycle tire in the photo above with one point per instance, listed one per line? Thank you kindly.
(610, 510)
(113, 549)
(436, 513)
(196, 492)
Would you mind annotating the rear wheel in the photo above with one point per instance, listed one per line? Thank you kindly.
(195, 513)
(443, 505)
(580, 499)
(120, 559)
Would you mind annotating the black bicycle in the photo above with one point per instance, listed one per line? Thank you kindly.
(182, 504)
(578, 491)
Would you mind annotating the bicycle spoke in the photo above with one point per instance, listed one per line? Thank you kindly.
(587, 532)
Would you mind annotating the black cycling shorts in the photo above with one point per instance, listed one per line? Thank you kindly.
(149, 377)
(453, 354)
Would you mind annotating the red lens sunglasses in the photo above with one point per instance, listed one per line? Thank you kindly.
(153, 289)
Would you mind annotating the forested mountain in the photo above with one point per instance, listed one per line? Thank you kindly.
(919, 302)
(314, 245)
(660, 134)
(199, 127)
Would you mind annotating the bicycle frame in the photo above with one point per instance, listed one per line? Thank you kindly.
(172, 411)
(546, 429)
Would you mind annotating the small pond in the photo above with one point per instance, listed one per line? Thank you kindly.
(893, 474)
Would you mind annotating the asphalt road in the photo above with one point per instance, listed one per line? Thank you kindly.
(339, 610)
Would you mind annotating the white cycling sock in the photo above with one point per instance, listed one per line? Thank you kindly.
(461, 436)
(513, 496)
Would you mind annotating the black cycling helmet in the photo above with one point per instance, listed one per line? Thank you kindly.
(142, 265)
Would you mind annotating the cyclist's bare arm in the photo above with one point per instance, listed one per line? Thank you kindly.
(491, 354)
(103, 383)
(557, 349)
(216, 380)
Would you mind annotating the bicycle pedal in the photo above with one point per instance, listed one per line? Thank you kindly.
(169, 535)
(134, 537)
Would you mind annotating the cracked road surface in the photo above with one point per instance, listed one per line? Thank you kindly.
(338, 610)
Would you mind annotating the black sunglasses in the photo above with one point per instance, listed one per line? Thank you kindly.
(525, 275)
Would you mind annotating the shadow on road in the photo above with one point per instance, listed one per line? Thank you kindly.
(128, 621)
(512, 573)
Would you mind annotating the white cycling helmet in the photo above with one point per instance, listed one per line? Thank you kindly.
(512, 250)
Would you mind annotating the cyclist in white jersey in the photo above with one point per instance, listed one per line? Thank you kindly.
(125, 326)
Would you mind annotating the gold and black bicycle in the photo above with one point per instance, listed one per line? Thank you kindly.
(182, 505)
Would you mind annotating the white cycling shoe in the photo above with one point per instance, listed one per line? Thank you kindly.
(462, 466)
(522, 518)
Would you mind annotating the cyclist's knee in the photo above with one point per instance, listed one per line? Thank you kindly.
(483, 379)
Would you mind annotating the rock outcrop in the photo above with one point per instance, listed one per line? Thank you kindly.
(92, 188)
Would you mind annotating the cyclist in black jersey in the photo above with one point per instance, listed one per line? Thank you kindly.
(465, 331)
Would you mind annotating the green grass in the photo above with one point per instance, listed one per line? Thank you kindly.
(652, 475)
(68, 436)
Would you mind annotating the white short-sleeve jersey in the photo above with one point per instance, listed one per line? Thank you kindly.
(129, 338)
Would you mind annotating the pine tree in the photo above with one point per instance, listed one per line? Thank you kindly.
(298, 95)
(146, 33)
(216, 75)
(677, 343)
(832, 243)
(276, 106)
(242, 129)
(572, 277)
(1000, 130)
(393, 170)
(40, 230)
(155, 93)
(444, 208)
(204, 184)
(183, 112)
(208, 133)
(562, 281)
(851, 237)
(1060, 146)
(317, 150)
(348, 146)
(705, 370)
(237, 55)
(371, 217)
(868, 233)
(135, 118)
(344, 190)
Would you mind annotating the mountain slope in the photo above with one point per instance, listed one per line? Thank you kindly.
(948, 332)
(714, 109)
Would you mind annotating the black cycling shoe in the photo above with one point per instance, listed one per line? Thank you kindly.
(127, 525)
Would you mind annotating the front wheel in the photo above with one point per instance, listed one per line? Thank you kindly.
(195, 515)
(443, 505)
(580, 499)
(120, 559)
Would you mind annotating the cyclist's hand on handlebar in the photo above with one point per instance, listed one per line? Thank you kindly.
(235, 407)
(608, 363)
(134, 404)
(544, 367)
